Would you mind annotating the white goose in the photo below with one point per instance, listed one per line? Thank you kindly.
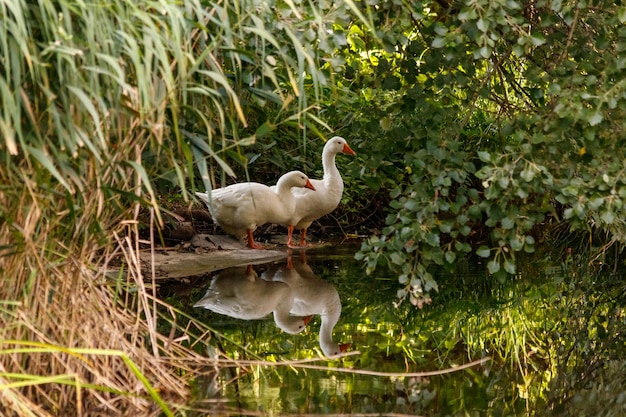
(240, 208)
(310, 206)
(238, 292)
(312, 295)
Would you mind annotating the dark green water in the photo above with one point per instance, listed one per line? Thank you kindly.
(555, 339)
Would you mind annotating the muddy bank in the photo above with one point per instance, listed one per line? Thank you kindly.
(202, 254)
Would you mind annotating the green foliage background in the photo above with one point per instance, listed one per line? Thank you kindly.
(483, 122)
(487, 126)
(506, 119)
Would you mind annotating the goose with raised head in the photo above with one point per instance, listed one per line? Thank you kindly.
(240, 208)
(328, 191)
(239, 292)
(312, 296)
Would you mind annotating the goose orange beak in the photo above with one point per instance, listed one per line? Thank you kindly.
(344, 346)
(348, 150)
(309, 185)
(307, 320)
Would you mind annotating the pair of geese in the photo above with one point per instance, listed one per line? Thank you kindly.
(295, 201)
(239, 292)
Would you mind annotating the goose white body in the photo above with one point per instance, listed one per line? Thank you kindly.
(238, 292)
(240, 208)
(310, 206)
(312, 296)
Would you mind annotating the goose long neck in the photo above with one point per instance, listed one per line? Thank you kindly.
(328, 163)
(282, 188)
(329, 320)
(281, 311)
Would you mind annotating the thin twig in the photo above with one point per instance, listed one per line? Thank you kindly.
(303, 364)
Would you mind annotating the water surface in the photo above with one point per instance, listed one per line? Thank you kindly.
(515, 323)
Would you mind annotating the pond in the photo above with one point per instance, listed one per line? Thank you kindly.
(548, 339)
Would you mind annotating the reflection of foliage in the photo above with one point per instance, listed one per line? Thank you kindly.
(556, 339)
(588, 351)
(600, 393)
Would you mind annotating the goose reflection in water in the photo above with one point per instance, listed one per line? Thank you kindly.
(312, 296)
(239, 292)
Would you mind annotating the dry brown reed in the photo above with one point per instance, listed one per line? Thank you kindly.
(70, 344)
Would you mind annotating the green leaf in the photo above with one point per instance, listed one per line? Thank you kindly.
(484, 156)
(398, 258)
(200, 143)
(430, 283)
(441, 29)
(482, 24)
(528, 174)
(412, 205)
(568, 213)
(595, 203)
(485, 52)
(265, 129)
(439, 42)
(595, 118)
(145, 179)
(203, 168)
(556, 5)
(483, 251)
(500, 276)
(433, 239)
(445, 227)
(538, 39)
(519, 50)
(493, 266)
(516, 244)
(509, 266)
(49, 165)
(462, 247)
(507, 223)
(450, 257)
(608, 217)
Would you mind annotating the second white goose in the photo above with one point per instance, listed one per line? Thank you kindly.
(310, 206)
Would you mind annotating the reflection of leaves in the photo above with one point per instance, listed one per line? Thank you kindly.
(493, 266)
(469, 316)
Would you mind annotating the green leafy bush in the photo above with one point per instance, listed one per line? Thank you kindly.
(499, 120)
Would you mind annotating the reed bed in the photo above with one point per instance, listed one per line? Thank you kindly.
(95, 97)
(99, 102)
(69, 343)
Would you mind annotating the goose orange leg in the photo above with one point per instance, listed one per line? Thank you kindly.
(251, 243)
(289, 237)
(303, 237)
